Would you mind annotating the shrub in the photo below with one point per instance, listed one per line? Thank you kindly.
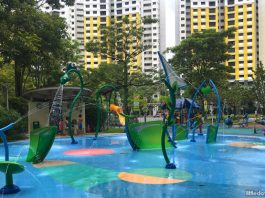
(9, 116)
(19, 104)
(91, 116)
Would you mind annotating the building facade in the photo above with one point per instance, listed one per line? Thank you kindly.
(168, 23)
(74, 18)
(150, 61)
(261, 29)
(86, 16)
(199, 15)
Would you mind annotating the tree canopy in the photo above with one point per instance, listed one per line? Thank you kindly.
(121, 43)
(33, 42)
(110, 74)
(202, 56)
(259, 84)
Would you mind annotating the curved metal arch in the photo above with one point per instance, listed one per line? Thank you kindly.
(109, 89)
(218, 104)
(190, 109)
(65, 78)
(3, 137)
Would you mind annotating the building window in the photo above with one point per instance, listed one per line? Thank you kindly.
(212, 3)
(230, 2)
(231, 22)
(231, 16)
(212, 10)
(212, 24)
(230, 9)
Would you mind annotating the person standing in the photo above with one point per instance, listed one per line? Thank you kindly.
(245, 117)
(66, 122)
(80, 123)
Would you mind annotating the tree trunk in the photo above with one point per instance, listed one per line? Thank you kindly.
(125, 89)
(18, 80)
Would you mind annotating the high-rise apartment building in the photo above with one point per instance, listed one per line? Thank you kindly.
(86, 16)
(74, 18)
(101, 13)
(150, 61)
(199, 15)
(261, 30)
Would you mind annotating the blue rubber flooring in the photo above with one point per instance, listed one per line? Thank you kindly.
(218, 170)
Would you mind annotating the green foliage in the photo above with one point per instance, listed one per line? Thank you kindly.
(140, 84)
(259, 84)
(34, 42)
(19, 104)
(104, 74)
(91, 115)
(238, 97)
(56, 4)
(202, 56)
(9, 116)
(120, 42)
(149, 20)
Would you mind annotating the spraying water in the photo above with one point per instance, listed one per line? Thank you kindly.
(55, 114)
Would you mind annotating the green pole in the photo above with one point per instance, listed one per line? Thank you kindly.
(65, 79)
(9, 178)
(170, 121)
(98, 114)
(99, 104)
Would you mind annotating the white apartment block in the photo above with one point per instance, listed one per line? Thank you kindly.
(74, 17)
(150, 60)
(261, 31)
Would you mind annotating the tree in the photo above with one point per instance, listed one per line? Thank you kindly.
(121, 43)
(110, 74)
(202, 56)
(259, 84)
(55, 3)
(47, 69)
(238, 97)
(30, 40)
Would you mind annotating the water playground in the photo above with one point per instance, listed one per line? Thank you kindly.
(159, 158)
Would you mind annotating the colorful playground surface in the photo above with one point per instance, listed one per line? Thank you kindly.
(108, 167)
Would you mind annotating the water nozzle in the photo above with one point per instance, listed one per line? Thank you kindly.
(64, 79)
